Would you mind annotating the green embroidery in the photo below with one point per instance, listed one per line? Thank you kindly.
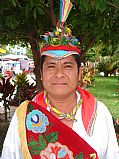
(32, 143)
(37, 146)
(79, 156)
(30, 108)
(42, 142)
(52, 137)
(35, 150)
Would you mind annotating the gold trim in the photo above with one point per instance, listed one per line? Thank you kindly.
(93, 155)
(21, 115)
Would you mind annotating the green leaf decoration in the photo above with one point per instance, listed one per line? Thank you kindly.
(35, 150)
(30, 108)
(48, 41)
(42, 142)
(64, 41)
(52, 137)
(79, 156)
(37, 147)
(32, 143)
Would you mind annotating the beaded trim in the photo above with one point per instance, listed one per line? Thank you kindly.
(62, 115)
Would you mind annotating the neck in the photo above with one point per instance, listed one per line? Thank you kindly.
(65, 104)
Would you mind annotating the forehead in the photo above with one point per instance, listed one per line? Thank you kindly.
(69, 59)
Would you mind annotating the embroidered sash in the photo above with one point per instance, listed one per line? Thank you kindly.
(46, 137)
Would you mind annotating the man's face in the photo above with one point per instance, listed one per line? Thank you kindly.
(60, 76)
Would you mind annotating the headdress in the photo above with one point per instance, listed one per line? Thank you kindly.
(60, 43)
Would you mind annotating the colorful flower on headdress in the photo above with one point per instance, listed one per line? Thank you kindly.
(36, 121)
(60, 36)
(56, 151)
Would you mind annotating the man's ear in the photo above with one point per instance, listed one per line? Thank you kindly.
(80, 74)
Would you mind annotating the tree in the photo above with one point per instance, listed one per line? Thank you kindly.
(25, 20)
(108, 64)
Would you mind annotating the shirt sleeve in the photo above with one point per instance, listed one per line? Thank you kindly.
(112, 151)
(11, 146)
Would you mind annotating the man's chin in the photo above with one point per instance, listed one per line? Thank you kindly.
(59, 92)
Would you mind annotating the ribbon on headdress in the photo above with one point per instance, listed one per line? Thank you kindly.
(65, 8)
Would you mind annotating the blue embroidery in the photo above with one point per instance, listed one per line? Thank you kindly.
(36, 121)
(61, 153)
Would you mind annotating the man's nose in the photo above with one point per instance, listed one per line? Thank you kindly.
(59, 72)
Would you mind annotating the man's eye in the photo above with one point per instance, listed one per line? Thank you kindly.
(51, 66)
(68, 66)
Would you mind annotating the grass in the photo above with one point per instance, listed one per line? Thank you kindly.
(106, 89)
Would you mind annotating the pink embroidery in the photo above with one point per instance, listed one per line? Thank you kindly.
(56, 151)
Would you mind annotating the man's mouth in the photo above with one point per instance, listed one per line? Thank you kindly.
(59, 84)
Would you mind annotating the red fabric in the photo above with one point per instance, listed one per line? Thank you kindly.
(60, 47)
(39, 99)
(88, 107)
(66, 136)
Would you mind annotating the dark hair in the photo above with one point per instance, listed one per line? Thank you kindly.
(76, 57)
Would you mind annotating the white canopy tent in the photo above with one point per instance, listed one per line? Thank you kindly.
(13, 57)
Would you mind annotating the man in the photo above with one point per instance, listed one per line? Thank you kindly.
(62, 121)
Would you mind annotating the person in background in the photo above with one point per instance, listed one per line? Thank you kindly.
(13, 69)
(1, 69)
(64, 120)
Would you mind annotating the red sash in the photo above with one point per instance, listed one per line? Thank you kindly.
(49, 138)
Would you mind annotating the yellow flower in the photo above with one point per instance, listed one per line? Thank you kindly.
(68, 30)
(56, 33)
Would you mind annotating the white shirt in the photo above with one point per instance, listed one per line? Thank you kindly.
(103, 139)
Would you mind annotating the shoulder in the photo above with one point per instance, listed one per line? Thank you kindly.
(101, 106)
(103, 111)
(22, 106)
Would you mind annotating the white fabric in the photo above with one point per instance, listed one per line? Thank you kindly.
(103, 139)
(11, 146)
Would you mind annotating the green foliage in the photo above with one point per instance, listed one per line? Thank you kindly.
(12, 21)
(106, 89)
(88, 74)
(14, 2)
(21, 80)
(108, 64)
(25, 91)
(6, 89)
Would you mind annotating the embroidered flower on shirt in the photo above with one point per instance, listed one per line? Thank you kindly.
(36, 121)
(56, 151)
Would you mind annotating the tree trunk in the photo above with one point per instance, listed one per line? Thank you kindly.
(52, 13)
(90, 45)
(36, 57)
(5, 113)
(106, 74)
